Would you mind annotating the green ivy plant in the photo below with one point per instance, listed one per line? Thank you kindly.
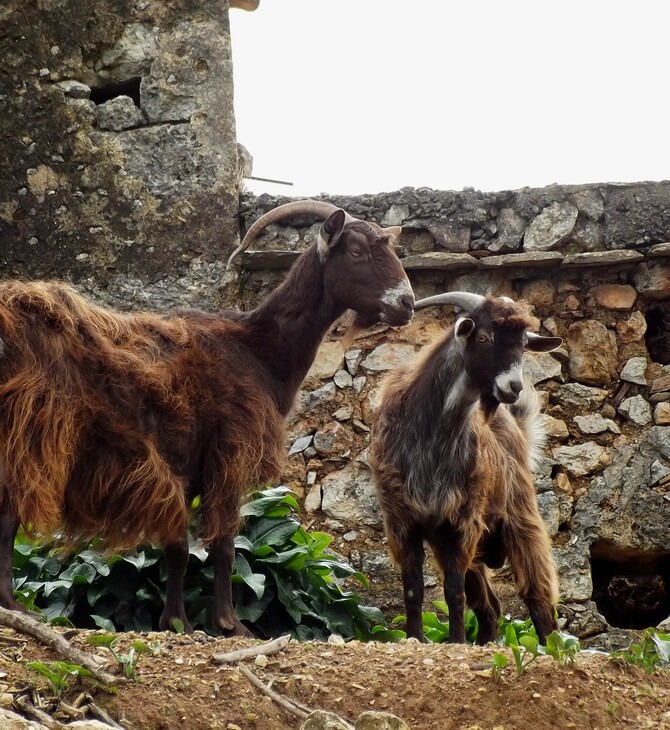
(59, 674)
(285, 581)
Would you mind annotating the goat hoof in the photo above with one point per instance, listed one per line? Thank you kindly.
(233, 628)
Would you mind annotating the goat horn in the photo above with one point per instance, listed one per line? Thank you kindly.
(316, 208)
(461, 299)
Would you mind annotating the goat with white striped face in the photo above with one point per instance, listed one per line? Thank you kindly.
(491, 339)
(454, 441)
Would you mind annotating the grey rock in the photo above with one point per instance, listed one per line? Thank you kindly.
(535, 260)
(634, 371)
(583, 619)
(359, 383)
(589, 202)
(299, 445)
(539, 366)
(577, 395)
(619, 508)
(372, 720)
(582, 459)
(388, 357)
(395, 215)
(343, 379)
(118, 114)
(440, 260)
(511, 227)
(74, 89)
(653, 281)
(602, 258)
(352, 359)
(594, 423)
(573, 563)
(547, 503)
(349, 495)
(322, 720)
(130, 56)
(637, 410)
(552, 226)
(309, 401)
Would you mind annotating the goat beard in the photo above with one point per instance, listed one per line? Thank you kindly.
(489, 407)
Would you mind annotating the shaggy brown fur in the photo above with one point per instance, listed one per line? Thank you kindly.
(110, 423)
(458, 475)
(106, 421)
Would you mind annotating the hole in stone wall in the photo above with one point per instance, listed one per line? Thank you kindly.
(131, 88)
(657, 336)
(631, 591)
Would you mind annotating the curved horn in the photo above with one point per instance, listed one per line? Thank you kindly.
(316, 208)
(461, 299)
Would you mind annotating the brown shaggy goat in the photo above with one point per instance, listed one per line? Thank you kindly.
(454, 441)
(110, 423)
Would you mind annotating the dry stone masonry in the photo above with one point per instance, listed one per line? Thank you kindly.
(119, 157)
(595, 264)
(121, 173)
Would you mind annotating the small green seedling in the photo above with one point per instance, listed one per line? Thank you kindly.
(653, 653)
(498, 663)
(562, 647)
(59, 674)
(525, 648)
(129, 660)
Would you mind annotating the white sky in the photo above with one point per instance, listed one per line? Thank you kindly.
(368, 96)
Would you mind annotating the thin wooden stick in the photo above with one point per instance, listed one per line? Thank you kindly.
(274, 696)
(269, 647)
(28, 709)
(28, 625)
(102, 715)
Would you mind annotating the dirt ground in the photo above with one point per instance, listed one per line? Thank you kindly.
(428, 686)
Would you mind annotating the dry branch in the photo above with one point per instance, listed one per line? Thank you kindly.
(287, 704)
(32, 712)
(269, 647)
(26, 624)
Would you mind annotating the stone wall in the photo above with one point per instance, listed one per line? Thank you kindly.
(119, 158)
(594, 263)
(121, 174)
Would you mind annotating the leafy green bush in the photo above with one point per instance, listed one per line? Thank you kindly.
(653, 653)
(434, 628)
(285, 580)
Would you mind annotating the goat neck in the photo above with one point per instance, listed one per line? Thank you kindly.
(288, 327)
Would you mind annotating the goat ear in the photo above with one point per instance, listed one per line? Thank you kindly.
(330, 232)
(393, 232)
(464, 327)
(538, 343)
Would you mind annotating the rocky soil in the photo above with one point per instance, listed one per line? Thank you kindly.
(427, 686)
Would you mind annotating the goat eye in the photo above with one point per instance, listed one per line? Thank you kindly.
(482, 338)
(355, 253)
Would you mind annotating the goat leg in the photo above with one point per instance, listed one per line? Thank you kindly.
(529, 552)
(223, 612)
(411, 565)
(175, 555)
(484, 602)
(448, 550)
(9, 524)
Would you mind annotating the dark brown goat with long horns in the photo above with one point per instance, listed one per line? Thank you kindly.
(454, 442)
(110, 424)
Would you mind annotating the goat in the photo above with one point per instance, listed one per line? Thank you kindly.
(111, 423)
(454, 441)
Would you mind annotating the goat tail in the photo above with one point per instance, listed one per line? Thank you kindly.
(527, 411)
